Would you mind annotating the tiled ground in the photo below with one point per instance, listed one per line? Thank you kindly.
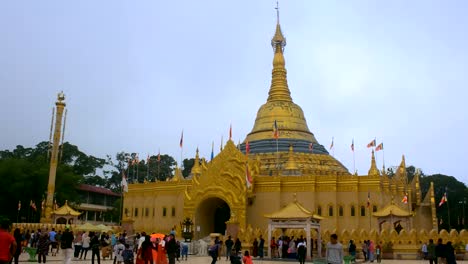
(206, 260)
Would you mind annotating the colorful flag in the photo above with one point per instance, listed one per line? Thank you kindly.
(379, 147)
(137, 159)
(405, 199)
(230, 132)
(331, 145)
(124, 182)
(275, 130)
(34, 206)
(43, 204)
(212, 150)
(371, 144)
(148, 159)
(443, 200)
(159, 155)
(182, 139)
(352, 146)
(55, 205)
(368, 199)
(247, 148)
(19, 205)
(311, 147)
(248, 177)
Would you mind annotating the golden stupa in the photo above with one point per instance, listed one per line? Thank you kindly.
(293, 168)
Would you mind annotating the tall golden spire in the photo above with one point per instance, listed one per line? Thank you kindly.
(373, 171)
(279, 90)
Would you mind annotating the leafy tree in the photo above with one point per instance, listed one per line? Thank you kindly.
(188, 165)
(25, 173)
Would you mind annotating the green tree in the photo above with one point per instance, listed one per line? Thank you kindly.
(25, 172)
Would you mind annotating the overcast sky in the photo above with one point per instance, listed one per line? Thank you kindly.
(137, 73)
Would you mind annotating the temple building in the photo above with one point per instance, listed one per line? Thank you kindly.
(280, 162)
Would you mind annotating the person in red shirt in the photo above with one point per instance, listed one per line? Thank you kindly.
(7, 243)
(247, 259)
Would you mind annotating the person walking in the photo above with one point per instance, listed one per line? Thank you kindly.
(171, 248)
(42, 246)
(440, 252)
(228, 243)
(213, 251)
(7, 243)
(450, 253)
(247, 259)
(85, 245)
(352, 250)
(334, 252)
(301, 251)
(94, 244)
(19, 240)
(78, 244)
(261, 247)
(66, 242)
(431, 255)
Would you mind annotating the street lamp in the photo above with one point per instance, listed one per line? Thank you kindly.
(187, 231)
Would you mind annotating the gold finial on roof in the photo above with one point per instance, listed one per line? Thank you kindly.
(373, 171)
(291, 163)
(177, 175)
(196, 165)
(60, 97)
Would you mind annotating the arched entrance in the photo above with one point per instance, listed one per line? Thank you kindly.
(212, 215)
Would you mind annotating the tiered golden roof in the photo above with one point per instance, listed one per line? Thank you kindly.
(293, 210)
(66, 210)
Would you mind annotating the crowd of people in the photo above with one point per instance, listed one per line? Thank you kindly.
(165, 249)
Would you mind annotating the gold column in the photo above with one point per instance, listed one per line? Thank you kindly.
(49, 205)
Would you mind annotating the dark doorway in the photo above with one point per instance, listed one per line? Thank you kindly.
(212, 215)
(221, 216)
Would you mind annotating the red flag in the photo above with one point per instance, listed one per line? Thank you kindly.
(352, 146)
(182, 139)
(248, 177)
(230, 132)
(379, 147)
(405, 199)
(443, 200)
(275, 130)
(371, 144)
(159, 156)
(247, 148)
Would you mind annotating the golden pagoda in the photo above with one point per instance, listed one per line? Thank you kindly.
(284, 167)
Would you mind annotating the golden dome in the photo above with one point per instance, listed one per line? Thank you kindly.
(280, 106)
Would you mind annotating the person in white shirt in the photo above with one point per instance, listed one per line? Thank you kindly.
(280, 247)
(334, 250)
(424, 251)
(141, 239)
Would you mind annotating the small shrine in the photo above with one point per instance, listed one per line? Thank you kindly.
(65, 215)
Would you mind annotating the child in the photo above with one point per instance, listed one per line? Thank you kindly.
(247, 259)
(118, 249)
(127, 255)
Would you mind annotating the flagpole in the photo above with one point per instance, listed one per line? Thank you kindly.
(277, 156)
(354, 159)
(448, 207)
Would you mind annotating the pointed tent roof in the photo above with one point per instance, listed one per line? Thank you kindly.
(293, 210)
(66, 210)
(392, 209)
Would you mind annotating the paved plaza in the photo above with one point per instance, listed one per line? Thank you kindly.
(206, 260)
